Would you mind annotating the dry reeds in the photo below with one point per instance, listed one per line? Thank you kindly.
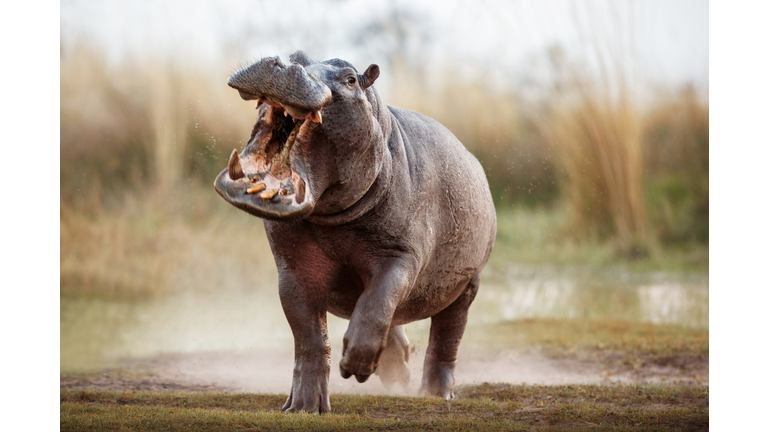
(142, 127)
(146, 122)
(676, 154)
(599, 140)
(496, 126)
(150, 246)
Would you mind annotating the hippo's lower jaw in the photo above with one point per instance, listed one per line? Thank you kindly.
(270, 201)
(265, 180)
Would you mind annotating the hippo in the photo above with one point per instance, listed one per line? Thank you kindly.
(375, 214)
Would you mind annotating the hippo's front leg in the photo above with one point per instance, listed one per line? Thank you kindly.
(369, 324)
(305, 309)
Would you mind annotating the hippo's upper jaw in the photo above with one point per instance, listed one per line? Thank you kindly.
(268, 180)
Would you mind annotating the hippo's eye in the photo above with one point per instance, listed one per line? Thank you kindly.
(351, 81)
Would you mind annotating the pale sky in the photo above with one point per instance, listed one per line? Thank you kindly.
(667, 41)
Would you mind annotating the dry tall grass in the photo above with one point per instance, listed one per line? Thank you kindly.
(151, 246)
(147, 122)
(497, 126)
(599, 140)
(142, 140)
(676, 154)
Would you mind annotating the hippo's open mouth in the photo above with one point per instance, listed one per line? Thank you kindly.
(268, 179)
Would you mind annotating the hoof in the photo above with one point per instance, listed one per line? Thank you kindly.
(344, 373)
(361, 378)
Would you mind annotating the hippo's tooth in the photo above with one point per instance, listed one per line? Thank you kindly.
(259, 102)
(256, 188)
(234, 167)
(316, 117)
(269, 194)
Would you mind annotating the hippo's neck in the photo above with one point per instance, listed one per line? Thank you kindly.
(362, 206)
(381, 184)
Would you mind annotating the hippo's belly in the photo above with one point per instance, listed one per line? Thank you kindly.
(455, 259)
(460, 224)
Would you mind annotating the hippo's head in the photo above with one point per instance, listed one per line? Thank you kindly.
(317, 145)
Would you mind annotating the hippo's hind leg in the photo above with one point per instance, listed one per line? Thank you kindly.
(445, 333)
(393, 364)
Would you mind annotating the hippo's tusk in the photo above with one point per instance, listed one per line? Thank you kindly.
(259, 101)
(316, 117)
(234, 167)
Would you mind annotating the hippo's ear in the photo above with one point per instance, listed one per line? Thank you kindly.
(301, 58)
(369, 76)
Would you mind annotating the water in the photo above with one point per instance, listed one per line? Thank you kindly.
(97, 333)
(540, 292)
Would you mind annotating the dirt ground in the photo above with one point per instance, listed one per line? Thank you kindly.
(269, 371)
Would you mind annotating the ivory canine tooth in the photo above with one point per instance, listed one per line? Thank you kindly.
(234, 167)
(316, 117)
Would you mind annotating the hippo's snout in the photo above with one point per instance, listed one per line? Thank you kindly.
(291, 86)
(266, 179)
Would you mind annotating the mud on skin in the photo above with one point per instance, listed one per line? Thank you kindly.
(375, 214)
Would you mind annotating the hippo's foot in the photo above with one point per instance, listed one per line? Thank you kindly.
(393, 365)
(438, 379)
(360, 360)
(370, 330)
(309, 393)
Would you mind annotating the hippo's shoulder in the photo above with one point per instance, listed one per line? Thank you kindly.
(413, 120)
(426, 137)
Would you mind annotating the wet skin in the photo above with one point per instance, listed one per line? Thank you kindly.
(373, 213)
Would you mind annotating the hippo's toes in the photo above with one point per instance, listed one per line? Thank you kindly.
(360, 362)
(309, 392)
(361, 373)
(317, 403)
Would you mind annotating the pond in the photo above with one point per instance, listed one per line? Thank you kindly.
(98, 333)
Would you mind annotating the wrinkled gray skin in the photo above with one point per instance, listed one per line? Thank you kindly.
(385, 219)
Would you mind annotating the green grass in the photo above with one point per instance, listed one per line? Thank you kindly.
(542, 236)
(484, 407)
(562, 335)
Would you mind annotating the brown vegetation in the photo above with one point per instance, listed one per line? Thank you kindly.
(147, 125)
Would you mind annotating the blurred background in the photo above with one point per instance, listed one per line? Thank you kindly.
(590, 118)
